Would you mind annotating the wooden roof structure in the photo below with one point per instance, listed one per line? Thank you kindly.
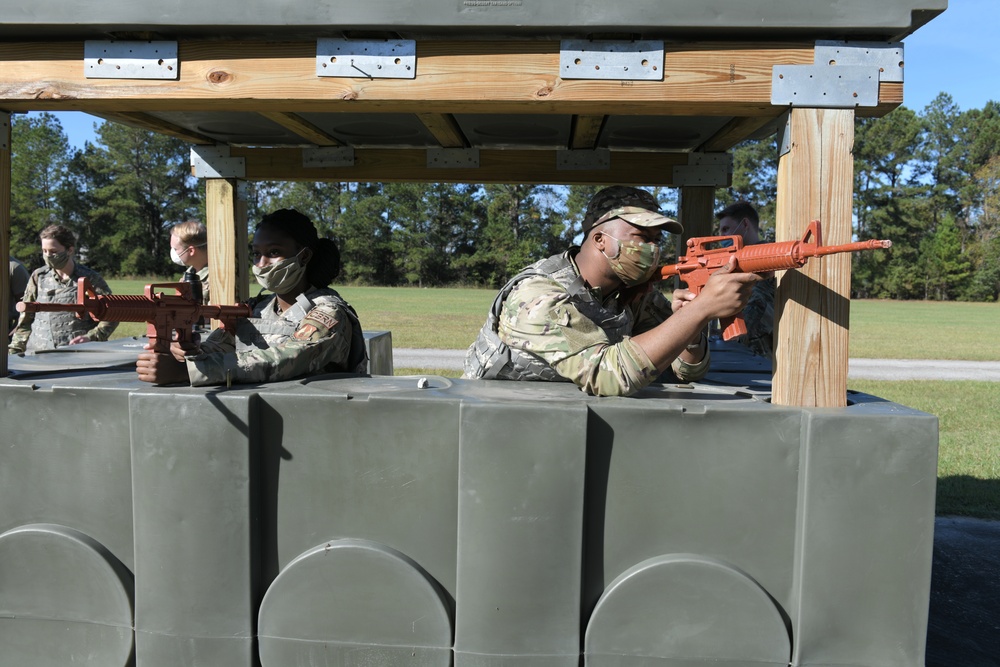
(651, 93)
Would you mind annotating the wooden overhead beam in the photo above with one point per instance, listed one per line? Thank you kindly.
(495, 166)
(445, 129)
(700, 78)
(301, 127)
(735, 131)
(586, 131)
(146, 122)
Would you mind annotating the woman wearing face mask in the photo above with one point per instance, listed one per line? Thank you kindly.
(56, 282)
(587, 315)
(299, 327)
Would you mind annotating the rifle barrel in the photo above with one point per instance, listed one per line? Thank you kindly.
(871, 244)
(36, 307)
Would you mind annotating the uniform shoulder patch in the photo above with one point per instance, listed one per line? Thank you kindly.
(315, 325)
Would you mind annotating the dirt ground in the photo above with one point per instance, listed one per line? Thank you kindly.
(964, 626)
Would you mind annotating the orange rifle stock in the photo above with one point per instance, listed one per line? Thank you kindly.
(168, 317)
(705, 257)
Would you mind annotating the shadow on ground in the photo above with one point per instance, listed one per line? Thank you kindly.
(964, 626)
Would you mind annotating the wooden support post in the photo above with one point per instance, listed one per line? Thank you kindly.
(697, 211)
(228, 252)
(812, 307)
(4, 232)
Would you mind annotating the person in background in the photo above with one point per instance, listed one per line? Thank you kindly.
(589, 315)
(56, 282)
(18, 282)
(301, 328)
(189, 248)
(740, 219)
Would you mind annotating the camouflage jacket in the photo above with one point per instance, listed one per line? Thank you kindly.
(319, 334)
(46, 331)
(545, 324)
(759, 317)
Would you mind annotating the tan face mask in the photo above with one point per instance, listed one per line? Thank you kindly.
(280, 276)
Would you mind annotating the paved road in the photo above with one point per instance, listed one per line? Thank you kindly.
(858, 369)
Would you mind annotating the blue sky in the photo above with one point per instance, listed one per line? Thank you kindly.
(954, 53)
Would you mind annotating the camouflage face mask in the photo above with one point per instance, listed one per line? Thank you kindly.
(56, 260)
(635, 262)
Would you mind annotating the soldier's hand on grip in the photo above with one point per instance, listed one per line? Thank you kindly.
(728, 291)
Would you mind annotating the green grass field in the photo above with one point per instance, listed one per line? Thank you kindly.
(969, 457)
(969, 431)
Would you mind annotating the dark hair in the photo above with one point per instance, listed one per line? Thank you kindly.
(63, 235)
(325, 263)
(740, 210)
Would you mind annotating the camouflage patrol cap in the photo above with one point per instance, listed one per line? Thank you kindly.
(633, 205)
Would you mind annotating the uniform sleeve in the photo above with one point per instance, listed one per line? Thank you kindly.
(539, 317)
(19, 337)
(653, 310)
(103, 330)
(322, 338)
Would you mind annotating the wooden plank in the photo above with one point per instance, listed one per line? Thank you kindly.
(228, 261)
(586, 131)
(445, 129)
(812, 307)
(728, 79)
(5, 180)
(303, 128)
(735, 131)
(146, 122)
(495, 166)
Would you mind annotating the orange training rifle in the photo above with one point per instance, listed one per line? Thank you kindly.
(707, 254)
(169, 317)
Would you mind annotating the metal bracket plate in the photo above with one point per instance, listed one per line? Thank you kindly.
(215, 162)
(711, 159)
(824, 87)
(886, 56)
(843, 75)
(242, 190)
(598, 159)
(712, 175)
(640, 60)
(112, 59)
(370, 59)
(4, 130)
(333, 156)
(452, 158)
(784, 133)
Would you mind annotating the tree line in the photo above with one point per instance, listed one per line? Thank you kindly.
(929, 181)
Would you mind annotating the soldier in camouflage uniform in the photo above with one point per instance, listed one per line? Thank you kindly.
(56, 282)
(189, 248)
(589, 315)
(741, 219)
(302, 328)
